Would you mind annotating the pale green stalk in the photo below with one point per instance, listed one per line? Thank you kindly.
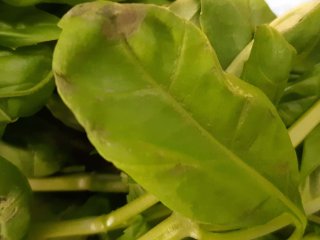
(93, 225)
(173, 228)
(79, 182)
(305, 124)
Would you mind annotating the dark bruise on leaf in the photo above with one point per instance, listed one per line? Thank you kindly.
(118, 20)
(121, 21)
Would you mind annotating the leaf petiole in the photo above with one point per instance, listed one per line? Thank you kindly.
(93, 225)
(80, 182)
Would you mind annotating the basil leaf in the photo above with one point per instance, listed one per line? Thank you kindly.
(270, 63)
(26, 26)
(300, 95)
(302, 21)
(230, 24)
(147, 87)
(25, 81)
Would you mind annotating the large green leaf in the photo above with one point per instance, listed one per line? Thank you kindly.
(15, 202)
(147, 87)
(25, 81)
(26, 26)
(300, 95)
(270, 63)
(230, 24)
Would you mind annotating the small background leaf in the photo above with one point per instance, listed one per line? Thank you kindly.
(270, 62)
(25, 82)
(299, 95)
(26, 26)
(230, 24)
(39, 147)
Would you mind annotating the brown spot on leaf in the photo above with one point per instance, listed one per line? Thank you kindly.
(122, 20)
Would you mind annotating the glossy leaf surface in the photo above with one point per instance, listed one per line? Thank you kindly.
(15, 202)
(147, 87)
(230, 24)
(26, 26)
(25, 81)
(270, 63)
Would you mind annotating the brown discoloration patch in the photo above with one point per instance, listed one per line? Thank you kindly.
(121, 20)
